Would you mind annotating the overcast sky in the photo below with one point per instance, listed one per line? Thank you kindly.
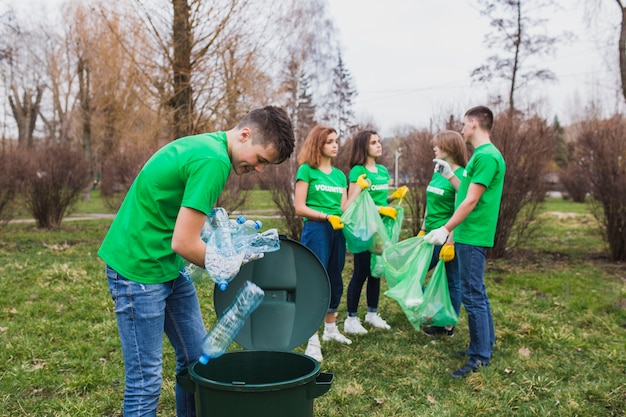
(411, 59)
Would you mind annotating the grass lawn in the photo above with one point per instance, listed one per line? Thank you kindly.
(558, 305)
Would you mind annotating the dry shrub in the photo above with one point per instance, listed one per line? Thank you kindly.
(57, 173)
(119, 171)
(417, 164)
(279, 180)
(575, 180)
(527, 146)
(602, 148)
(12, 174)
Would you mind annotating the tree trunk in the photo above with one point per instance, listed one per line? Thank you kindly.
(622, 50)
(181, 101)
(25, 113)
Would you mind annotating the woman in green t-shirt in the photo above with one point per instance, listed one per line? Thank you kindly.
(320, 194)
(450, 147)
(366, 174)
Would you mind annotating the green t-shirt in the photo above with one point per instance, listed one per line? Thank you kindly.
(440, 197)
(188, 172)
(485, 167)
(325, 190)
(380, 182)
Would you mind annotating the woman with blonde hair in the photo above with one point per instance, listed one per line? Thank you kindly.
(450, 147)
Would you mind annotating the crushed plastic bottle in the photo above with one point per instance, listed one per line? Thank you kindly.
(222, 261)
(219, 338)
(267, 241)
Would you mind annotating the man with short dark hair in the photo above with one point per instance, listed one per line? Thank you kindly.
(474, 223)
(158, 225)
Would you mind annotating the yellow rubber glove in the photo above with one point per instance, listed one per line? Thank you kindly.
(362, 182)
(335, 222)
(400, 192)
(446, 252)
(421, 233)
(388, 211)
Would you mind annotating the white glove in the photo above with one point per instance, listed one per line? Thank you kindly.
(443, 168)
(437, 236)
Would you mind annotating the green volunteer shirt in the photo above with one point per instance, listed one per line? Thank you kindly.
(380, 182)
(188, 172)
(325, 191)
(485, 167)
(440, 198)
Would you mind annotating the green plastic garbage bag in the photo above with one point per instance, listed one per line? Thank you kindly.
(436, 308)
(406, 259)
(393, 229)
(362, 226)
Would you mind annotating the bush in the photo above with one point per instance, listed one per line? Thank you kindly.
(119, 171)
(527, 146)
(602, 146)
(575, 180)
(12, 173)
(56, 175)
(417, 162)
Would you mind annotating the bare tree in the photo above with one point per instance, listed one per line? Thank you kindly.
(22, 76)
(516, 33)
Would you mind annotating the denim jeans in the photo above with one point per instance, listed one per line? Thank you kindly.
(361, 273)
(476, 302)
(144, 312)
(452, 273)
(330, 247)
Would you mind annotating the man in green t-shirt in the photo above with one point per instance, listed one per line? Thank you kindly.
(474, 223)
(158, 225)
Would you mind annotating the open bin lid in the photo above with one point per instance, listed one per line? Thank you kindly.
(297, 296)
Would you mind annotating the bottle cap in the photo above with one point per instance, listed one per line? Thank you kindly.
(241, 219)
(222, 285)
(204, 359)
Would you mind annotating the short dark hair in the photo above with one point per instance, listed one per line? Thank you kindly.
(484, 116)
(360, 146)
(272, 127)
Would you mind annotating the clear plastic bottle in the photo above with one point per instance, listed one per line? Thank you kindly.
(219, 338)
(245, 227)
(222, 260)
(267, 241)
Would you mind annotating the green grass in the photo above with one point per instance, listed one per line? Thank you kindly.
(558, 305)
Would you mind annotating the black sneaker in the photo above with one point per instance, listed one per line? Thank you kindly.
(466, 370)
(438, 331)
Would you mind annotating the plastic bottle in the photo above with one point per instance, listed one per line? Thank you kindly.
(222, 261)
(267, 241)
(219, 338)
(245, 227)
(193, 272)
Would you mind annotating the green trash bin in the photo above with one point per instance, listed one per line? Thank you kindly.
(267, 379)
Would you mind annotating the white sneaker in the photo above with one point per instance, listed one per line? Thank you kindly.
(314, 349)
(332, 333)
(353, 325)
(375, 320)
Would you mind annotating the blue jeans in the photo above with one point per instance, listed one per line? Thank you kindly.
(144, 312)
(330, 247)
(476, 302)
(452, 273)
(361, 273)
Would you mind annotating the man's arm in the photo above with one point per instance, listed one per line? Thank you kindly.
(186, 239)
(441, 235)
(474, 192)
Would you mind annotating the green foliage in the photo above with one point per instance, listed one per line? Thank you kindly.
(558, 308)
